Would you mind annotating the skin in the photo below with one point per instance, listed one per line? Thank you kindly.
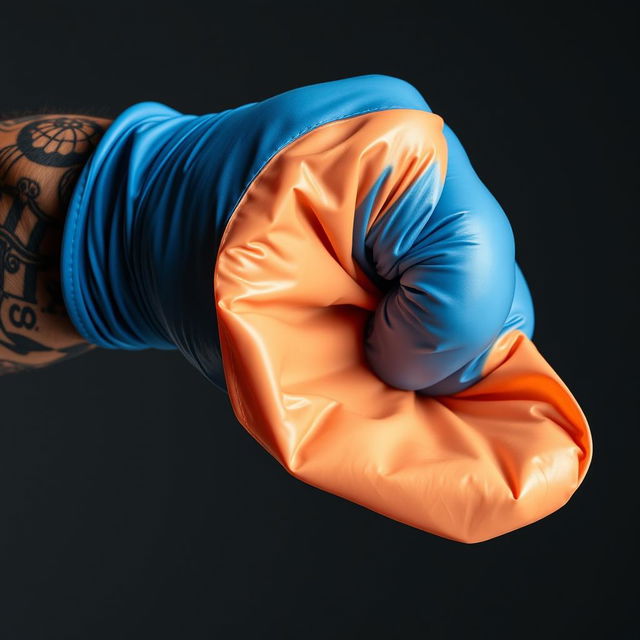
(41, 157)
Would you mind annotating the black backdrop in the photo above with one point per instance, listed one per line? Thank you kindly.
(133, 505)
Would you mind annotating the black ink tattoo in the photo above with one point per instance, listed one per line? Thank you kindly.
(67, 353)
(52, 142)
(59, 142)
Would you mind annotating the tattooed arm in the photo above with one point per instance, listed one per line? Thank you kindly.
(40, 159)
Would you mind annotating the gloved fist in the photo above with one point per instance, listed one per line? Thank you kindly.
(324, 255)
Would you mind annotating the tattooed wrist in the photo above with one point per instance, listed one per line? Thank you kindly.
(40, 160)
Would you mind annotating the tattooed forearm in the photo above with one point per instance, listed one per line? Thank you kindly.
(40, 160)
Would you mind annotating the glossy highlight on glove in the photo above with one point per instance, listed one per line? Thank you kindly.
(449, 251)
(332, 258)
(293, 306)
(146, 217)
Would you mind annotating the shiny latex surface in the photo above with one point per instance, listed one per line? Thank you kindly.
(147, 214)
(330, 257)
(445, 253)
(293, 306)
(146, 218)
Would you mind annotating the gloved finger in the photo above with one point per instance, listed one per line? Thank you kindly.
(449, 259)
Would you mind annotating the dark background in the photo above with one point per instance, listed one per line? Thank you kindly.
(133, 505)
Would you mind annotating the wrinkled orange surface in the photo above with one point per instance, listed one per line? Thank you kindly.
(292, 307)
